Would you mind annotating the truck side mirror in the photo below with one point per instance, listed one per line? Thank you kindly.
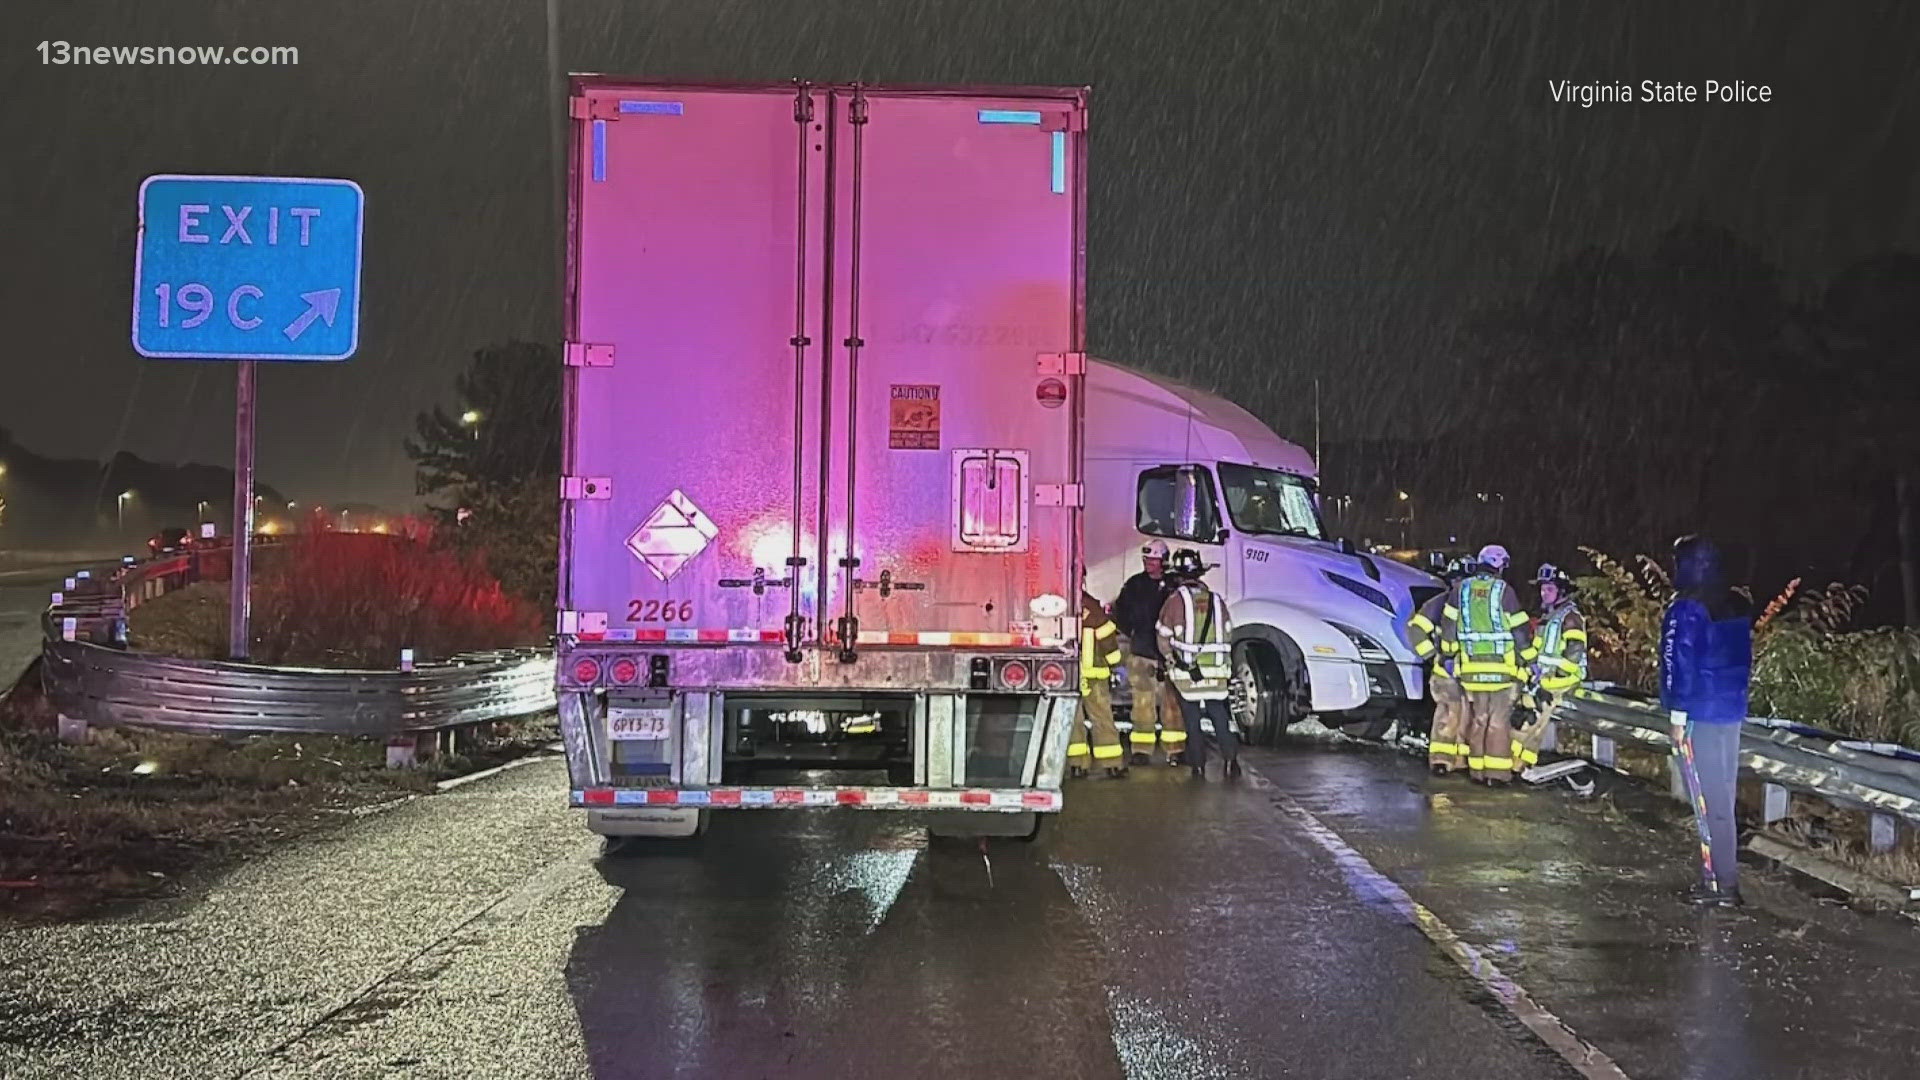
(1221, 536)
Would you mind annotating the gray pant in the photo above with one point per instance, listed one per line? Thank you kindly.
(1716, 756)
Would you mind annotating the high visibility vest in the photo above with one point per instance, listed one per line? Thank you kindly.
(1099, 651)
(1563, 652)
(1484, 630)
(1202, 640)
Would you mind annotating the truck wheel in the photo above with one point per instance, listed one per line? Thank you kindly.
(1261, 700)
(1372, 730)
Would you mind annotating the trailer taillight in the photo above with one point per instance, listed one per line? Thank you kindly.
(1015, 674)
(586, 671)
(1053, 675)
(624, 670)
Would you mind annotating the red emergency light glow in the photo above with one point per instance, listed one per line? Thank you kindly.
(1053, 675)
(586, 671)
(1014, 674)
(624, 670)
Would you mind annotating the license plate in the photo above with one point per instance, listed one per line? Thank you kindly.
(647, 725)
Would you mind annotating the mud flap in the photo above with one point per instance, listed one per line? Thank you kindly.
(968, 824)
(671, 824)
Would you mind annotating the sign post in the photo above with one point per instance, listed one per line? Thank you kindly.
(247, 268)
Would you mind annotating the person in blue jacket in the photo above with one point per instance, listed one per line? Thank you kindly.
(1706, 656)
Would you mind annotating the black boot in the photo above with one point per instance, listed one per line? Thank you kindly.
(1176, 759)
(1076, 772)
(1199, 772)
(1142, 759)
(1117, 772)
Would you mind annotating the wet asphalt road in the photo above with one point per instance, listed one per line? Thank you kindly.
(1159, 929)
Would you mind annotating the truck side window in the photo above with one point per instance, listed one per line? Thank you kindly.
(990, 500)
(1177, 502)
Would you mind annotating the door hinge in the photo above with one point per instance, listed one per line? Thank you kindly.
(1073, 120)
(1059, 495)
(593, 108)
(581, 354)
(1070, 363)
(586, 487)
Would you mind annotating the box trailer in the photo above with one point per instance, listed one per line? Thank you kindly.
(821, 505)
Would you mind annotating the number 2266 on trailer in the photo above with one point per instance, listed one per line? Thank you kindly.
(247, 268)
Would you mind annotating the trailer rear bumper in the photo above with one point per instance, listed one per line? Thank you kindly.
(986, 800)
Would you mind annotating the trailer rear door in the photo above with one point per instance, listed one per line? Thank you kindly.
(955, 274)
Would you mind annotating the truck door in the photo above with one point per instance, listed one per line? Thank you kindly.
(954, 464)
(692, 444)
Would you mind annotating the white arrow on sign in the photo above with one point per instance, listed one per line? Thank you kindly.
(320, 305)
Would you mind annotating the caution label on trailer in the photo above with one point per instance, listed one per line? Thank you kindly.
(913, 418)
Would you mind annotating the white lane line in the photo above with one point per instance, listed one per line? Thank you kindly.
(450, 784)
(1586, 1058)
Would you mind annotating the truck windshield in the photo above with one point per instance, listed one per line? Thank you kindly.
(1269, 501)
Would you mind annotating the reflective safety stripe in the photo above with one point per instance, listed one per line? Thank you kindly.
(1449, 612)
(1104, 753)
(1140, 738)
(1495, 763)
(1420, 621)
(1173, 736)
(1423, 647)
(1576, 634)
(1476, 763)
(1447, 749)
(1526, 756)
(1076, 749)
(1515, 619)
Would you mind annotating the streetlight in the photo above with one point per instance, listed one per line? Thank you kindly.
(203, 510)
(471, 419)
(120, 509)
(1407, 532)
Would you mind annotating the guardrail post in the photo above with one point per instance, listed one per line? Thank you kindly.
(72, 729)
(410, 748)
(1773, 802)
(1883, 832)
(1603, 750)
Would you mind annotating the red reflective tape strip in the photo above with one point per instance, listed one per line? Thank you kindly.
(649, 635)
(1037, 798)
(789, 795)
(976, 798)
(599, 797)
(659, 798)
(725, 797)
(591, 636)
(914, 798)
(710, 635)
(850, 798)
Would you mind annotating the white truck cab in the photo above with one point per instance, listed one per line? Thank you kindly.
(1318, 625)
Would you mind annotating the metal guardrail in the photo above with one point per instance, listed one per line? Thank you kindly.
(112, 687)
(92, 677)
(1781, 753)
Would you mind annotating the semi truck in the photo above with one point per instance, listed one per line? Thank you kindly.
(1318, 626)
(820, 522)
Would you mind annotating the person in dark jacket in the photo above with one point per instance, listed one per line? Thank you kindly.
(1706, 656)
(1136, 611)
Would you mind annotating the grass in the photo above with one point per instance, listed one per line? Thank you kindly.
(129, 814)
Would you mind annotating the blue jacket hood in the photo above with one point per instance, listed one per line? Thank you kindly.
(1696, 564)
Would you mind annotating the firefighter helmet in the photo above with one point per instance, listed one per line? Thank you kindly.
(1186, 563)
(1494, 557)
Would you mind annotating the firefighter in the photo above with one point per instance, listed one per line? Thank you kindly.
(1561, 637)
(1486, 632)
(1136, 610)
(1196, 638)
(1446, 742)
(1099, 652)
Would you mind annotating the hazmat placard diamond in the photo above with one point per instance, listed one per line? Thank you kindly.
(671, 536)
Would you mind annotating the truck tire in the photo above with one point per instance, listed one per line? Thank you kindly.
(1263, 701)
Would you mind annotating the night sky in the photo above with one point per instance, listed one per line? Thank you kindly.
(1282, 189)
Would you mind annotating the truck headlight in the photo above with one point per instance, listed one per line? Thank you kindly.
(1370, 650)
